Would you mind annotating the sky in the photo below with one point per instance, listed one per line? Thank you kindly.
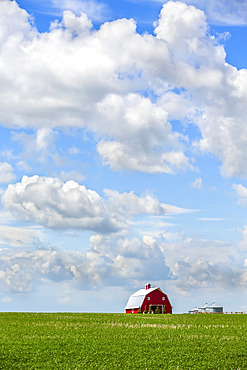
(123, 150)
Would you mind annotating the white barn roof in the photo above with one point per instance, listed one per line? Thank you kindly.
(136, 299)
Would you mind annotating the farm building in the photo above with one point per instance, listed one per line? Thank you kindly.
(194, 310)
(152, 300)
(214, 308)
(203, 308)
(208, 308)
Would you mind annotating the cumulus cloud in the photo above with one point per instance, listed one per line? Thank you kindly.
(20, 24)
(221, 102)
(232, 13)
(148, 144)
(20, 270)
(114, 260)
(206, 264)
(131, 204)
(70, 205)
(113, 77)
(6, 173)
(59, 205)
(192, 23)
(125, 260)
(196, 274)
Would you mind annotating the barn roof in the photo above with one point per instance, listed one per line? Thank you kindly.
(136, 299)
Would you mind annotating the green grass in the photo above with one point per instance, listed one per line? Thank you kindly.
(121, 341)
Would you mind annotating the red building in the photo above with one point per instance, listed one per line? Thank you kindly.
(149, 299)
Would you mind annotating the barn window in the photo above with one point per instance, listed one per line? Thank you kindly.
(163, 298)
(148, 298)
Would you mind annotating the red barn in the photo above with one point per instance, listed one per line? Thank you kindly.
(149, 298)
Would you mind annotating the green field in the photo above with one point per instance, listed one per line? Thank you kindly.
(110, 341)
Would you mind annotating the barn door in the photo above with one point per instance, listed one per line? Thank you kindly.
(156, 308)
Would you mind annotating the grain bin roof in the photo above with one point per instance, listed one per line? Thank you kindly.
(204, 306)
(194, 309)
(136, 299)
(214, 305)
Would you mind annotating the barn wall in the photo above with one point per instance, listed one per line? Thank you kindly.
(134, 310)
(156, 299)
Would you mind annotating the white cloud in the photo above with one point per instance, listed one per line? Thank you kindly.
(70, 71)
(74, 76)
(241, 192)
(147, 144)
(216, 87)
(205, 264)
(179, 22)
(42, 149)
(6, 299)
(14, 21)
(74, 150)
(196, 273)
(197, 184)
(70, 205)
(113, 260)
(96, 10)
(131, 204)
(64, 300)
(59, 205)
(223, 12)
(71, 175)
(43, 140)
(18, 236)
(37, 146)
(212, 219)
(23, 166)
(19, 271)
(6, 172)
(109, 261)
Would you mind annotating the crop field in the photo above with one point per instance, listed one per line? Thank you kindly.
(121, 341)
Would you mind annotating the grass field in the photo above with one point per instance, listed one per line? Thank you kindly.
(110, 341)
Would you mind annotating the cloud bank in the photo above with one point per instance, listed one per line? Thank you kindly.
(109, 261)
(113, 77)
(115, 260)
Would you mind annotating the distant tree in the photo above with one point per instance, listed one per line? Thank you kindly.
(157, 310)
(164, 309)
(145, 310)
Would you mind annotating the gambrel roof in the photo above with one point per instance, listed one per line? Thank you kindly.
(136, 299)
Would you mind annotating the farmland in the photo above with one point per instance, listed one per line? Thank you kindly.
(111, 341)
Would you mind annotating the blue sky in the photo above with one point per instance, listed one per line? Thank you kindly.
(123, 153)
